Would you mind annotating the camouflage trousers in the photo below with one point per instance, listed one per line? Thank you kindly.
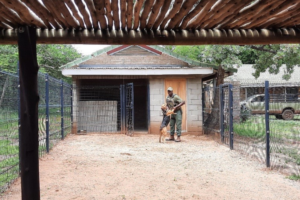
(176, 120)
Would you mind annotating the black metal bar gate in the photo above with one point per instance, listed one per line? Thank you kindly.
(226, 114)
(127, 109)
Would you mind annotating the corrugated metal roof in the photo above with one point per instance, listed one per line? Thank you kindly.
(133, 67)
(245, 77)
(77, 62)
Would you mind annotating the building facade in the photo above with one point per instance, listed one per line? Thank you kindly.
(125, 86)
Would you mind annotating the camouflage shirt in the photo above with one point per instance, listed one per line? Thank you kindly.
(173, 101)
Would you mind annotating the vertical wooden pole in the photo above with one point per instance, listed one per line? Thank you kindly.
(29, 99)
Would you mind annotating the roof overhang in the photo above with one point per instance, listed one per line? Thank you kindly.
(137, 72)
(166, 37)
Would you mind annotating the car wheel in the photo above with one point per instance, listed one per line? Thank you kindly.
(278, 116)
(288, 114)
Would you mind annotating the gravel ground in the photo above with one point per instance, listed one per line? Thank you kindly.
(98, 166)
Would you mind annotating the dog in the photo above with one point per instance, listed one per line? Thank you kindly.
(165, 122)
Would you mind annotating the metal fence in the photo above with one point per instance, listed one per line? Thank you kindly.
(103, 109)
(263, 121)
(54, 120)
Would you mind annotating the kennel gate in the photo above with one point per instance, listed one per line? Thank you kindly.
(127, 108)
(226, 114)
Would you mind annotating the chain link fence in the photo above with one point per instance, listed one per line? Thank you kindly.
(270, 134)
(55, 120)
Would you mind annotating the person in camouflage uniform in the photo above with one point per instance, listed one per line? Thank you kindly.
(174, 101)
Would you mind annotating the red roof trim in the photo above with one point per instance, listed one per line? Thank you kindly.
(125, 46)
(117, 49)
(150, 49)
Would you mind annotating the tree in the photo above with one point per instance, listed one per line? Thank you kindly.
(50, 58)
(263, 58)
(272, 57)
(191, 52)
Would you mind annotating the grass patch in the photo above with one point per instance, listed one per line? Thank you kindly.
(294, 177)
(9, 170)
(7, 148)
(254, 127)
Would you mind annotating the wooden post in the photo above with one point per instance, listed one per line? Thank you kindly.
(29, 98)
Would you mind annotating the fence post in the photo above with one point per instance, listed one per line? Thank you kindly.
(19, 115)
(62, 107)
(71, 88)
(221, 106)
(47, 111)
(230, 88)
(267, 123)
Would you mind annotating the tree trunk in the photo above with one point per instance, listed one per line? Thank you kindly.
(212, 123)
(3, 91)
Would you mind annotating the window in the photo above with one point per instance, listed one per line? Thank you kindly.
(259, 99)
(292, 93)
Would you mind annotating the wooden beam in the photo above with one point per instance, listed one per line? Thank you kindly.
(84, 13)
(108, 14)
(41, 12)
(198, 37)
(145, 14)
(99, 6)
(213, 76)
(61, 6)
(29, 98)
(136, 13)
(172, 12)
(213, 11)
(184, 10)
(123, 8)
(10, 15)
(154, 13)
(221, 14)
(23, 11)
(192, 14)
(247, 15)
(162, 13)
(200, 15)
(52, 9)
(264, 12)
(115, 9)
(91, 7)
(75, 12)
(280, 17)
(129, 13)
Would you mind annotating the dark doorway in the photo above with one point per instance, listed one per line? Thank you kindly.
(141, 99)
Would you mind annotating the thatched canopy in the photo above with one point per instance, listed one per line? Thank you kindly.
(153, 21)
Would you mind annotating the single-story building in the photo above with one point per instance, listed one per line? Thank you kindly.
(123, 87)
(250, 86)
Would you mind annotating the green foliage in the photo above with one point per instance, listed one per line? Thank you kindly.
(264, 57)
(50, 58)
(272, 57)
(294, 177)
(248, 56)
(9, 57)
(7, 148)
(223, 55)
(191, 52)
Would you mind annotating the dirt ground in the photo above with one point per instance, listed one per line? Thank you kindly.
(98, 166)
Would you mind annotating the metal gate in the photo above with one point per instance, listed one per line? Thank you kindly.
(127, 109)
(226, 114)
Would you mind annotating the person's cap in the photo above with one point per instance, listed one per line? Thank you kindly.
(170, 89)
